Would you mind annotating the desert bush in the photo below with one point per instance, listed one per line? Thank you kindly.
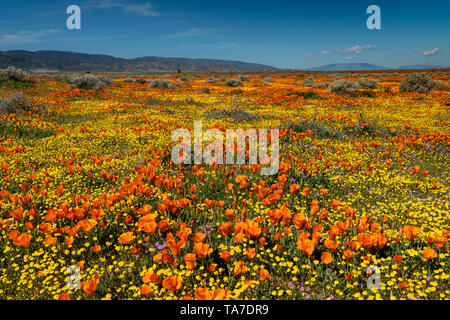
(308, 82)
(211, 80)
(416, 82)
(13, 74)
(268, 79)
(233, 83)
(367, 83)
(244, 78)
(127, 80)
(161, 83)
(343, 86)
(15, 103)
(205, 90)
(321, 85)
(140, 81)
(184, 79)
(89, 82)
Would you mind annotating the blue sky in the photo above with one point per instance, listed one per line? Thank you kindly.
(285, 34)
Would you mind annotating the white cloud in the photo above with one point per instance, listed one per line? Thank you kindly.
(25, 36)
(192, 32)
(325, 52)
(430, 52)
(141, 9)
(308, 55)
(357, 49)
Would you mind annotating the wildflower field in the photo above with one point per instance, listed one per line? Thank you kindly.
(88, 189)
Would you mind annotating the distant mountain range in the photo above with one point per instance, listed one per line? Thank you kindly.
(368, 66)
(423, 66)
(347, 67)
(62, 61)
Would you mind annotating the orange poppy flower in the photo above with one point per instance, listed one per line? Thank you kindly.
(203, 294)
(64, 296)
(87, 224)
(263, 274)
(306, 191)
(172, 283)
(50, 240)
(220, 294)
(306, 245)
(202, 249)
(326, 258)
(147, 223)
(299, 221)
(225, 228)
(239, 267)
(397, 258)
(68, 241)
(411, 232)
(240, 227)
(440, 241)
(175, 247)
(253, 229)
(126, 237)
(347, 254)
(199, 237)
(190, 259)
(17, 214)
(89, 287)
(13, 234)
(429, 253)
(163, 225)
(335, 204)
(251, 253)
(225, 255)
(331, 245)
(229, 213)
(294, 188)
(29, 226)
(23, 240)
(146, 290)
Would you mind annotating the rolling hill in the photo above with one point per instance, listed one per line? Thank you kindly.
(62, 61)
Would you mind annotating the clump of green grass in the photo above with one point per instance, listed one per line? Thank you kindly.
(305, 95)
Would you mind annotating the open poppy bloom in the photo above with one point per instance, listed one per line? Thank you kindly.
(22, 240)
(89, 287)
(240, 267)
(126, 237)
(326, 258)
(190, 259)
(429, 253)
(172, 283)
